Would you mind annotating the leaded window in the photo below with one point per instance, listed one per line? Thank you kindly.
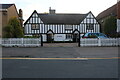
(90, 26)
(68, 27)
(35, 26)
(68, 36)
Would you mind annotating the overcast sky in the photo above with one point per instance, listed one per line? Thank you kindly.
(61, 6)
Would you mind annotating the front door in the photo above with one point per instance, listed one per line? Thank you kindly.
(49, 38)
(75, 37)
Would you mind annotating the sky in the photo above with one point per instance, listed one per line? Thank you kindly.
(61, 6)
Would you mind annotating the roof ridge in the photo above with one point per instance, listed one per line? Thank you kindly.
(109, 8)
(7, 4)
(100, 15)
(64, 13)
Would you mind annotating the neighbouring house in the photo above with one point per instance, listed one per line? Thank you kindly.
(8, 11)
(111, 11)
(60, 26)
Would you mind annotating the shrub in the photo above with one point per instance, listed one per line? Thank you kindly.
(110, 26)
(13, 29)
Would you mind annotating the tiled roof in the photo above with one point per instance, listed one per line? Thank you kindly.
(5, 6)
(62, 18)
(110, 11)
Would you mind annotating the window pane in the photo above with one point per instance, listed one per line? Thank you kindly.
(68, 36)
(90, 26)
(33, 26)
(68, 27)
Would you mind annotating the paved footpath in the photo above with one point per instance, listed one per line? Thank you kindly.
(60, 51)
(60, 44)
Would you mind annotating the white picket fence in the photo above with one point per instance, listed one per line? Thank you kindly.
(30, 42)
(100, 42)
(20, 42)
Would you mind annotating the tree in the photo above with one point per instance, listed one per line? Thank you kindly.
(13, 29)
(110, 26)
(8, 31)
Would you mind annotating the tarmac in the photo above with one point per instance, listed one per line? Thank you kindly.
(60, 50)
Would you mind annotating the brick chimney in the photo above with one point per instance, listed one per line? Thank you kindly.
(51, 11)
(21, 17)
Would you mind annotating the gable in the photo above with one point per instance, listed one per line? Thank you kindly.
(34, 18)
(12, 12)
(90, 18)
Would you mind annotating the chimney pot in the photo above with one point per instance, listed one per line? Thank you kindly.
(51, 11)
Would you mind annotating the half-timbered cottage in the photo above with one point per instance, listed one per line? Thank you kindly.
(60, 27)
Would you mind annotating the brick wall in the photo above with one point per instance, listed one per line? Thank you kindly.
(12, 12)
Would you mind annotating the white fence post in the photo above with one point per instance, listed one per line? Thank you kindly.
(99, 42)
(22, 43)
(118, 41)
(0, 41)
(10, 41)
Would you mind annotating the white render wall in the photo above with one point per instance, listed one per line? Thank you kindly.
(44, 37)
(118, 25)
